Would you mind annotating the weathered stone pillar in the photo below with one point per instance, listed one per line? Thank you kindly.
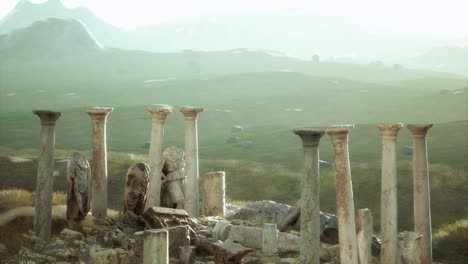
(191, 203)
(158, 115)
(269, 239)
(344, 194)
(45, 179)
(156, 246)
(310, 196)
(388, 211)
(364, 235)
(214, 194)
(99, 162)
(421, 191)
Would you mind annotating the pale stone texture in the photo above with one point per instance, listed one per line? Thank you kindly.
(388, 211)
(187, 254)
(155, 247)
(310, 196)
(158, 118)
(99, 162)
(221, 231)
(364, 235)
(136, 182)
(79, 187)
(214, 194)
(174, 178)
(409, 248)
(45, 179)
(269, 239)
(191, 192)
(344, 194)
(421, 191)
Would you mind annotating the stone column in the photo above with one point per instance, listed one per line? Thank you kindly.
(310, 196)
(344, 194)
(156, 246)
(364, 235)
(99, 162)
(269, 239)
(214, 194)
(158, 118)
(191, 192)
(421, 191)
(45, 178)
(388, 211)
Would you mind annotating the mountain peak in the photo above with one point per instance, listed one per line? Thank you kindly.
(51, 38)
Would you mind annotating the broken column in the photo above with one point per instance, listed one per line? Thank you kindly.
(214, 194)
(269, 239)
(45, 179)
(364, 235)
(344, 193)
(99, 162)
(191, 191)
(388, 211)
(421, 191)
(310, 198)
(158, 118)
(155, 247)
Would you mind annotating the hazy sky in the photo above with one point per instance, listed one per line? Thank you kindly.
(441, 17)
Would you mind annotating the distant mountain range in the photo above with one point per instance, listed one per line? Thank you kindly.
(293, 32)
(51, 38)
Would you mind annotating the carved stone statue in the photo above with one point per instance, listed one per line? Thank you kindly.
(174, 178)
(409, 248)
(79, 188)
(136, 183)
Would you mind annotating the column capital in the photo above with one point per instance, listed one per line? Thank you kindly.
(419, 130)
(310, 136)
(159, 111)
(191, 112)
(98, 112)
(47, 117)
(339, 131)
(389, 129)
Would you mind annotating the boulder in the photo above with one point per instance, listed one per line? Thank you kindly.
(69, 234)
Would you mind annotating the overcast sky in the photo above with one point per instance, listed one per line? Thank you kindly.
(440, 17)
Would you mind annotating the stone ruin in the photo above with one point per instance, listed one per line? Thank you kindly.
(176, 234)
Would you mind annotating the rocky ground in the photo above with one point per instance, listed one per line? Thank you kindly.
(234, 239)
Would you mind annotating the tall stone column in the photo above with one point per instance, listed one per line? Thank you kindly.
(99, 162)
(191, 203)
(45, 179)
(421, 191)
(158, 118)
(364, 235)
(344, 194)
(310, 196)
(388, 209)
(156, 246)
(214, 194)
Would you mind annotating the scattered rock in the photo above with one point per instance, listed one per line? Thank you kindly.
(69, 234)
(98, 255)
(229, 252)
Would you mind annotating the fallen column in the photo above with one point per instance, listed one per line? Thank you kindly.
(310, 196)
(344, 194)
(45, 178)
(191, 192)
(99, 162)
(214, 194)
(388, 211)
(155, 247)
(158, 118)
(421, 191)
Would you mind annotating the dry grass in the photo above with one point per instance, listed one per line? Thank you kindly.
(13, 198)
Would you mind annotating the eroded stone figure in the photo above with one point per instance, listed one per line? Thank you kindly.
(409, 248)
(136, 184)
(174, 178)
(79, 187)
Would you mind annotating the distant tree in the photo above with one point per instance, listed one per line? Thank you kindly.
(315, 58)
